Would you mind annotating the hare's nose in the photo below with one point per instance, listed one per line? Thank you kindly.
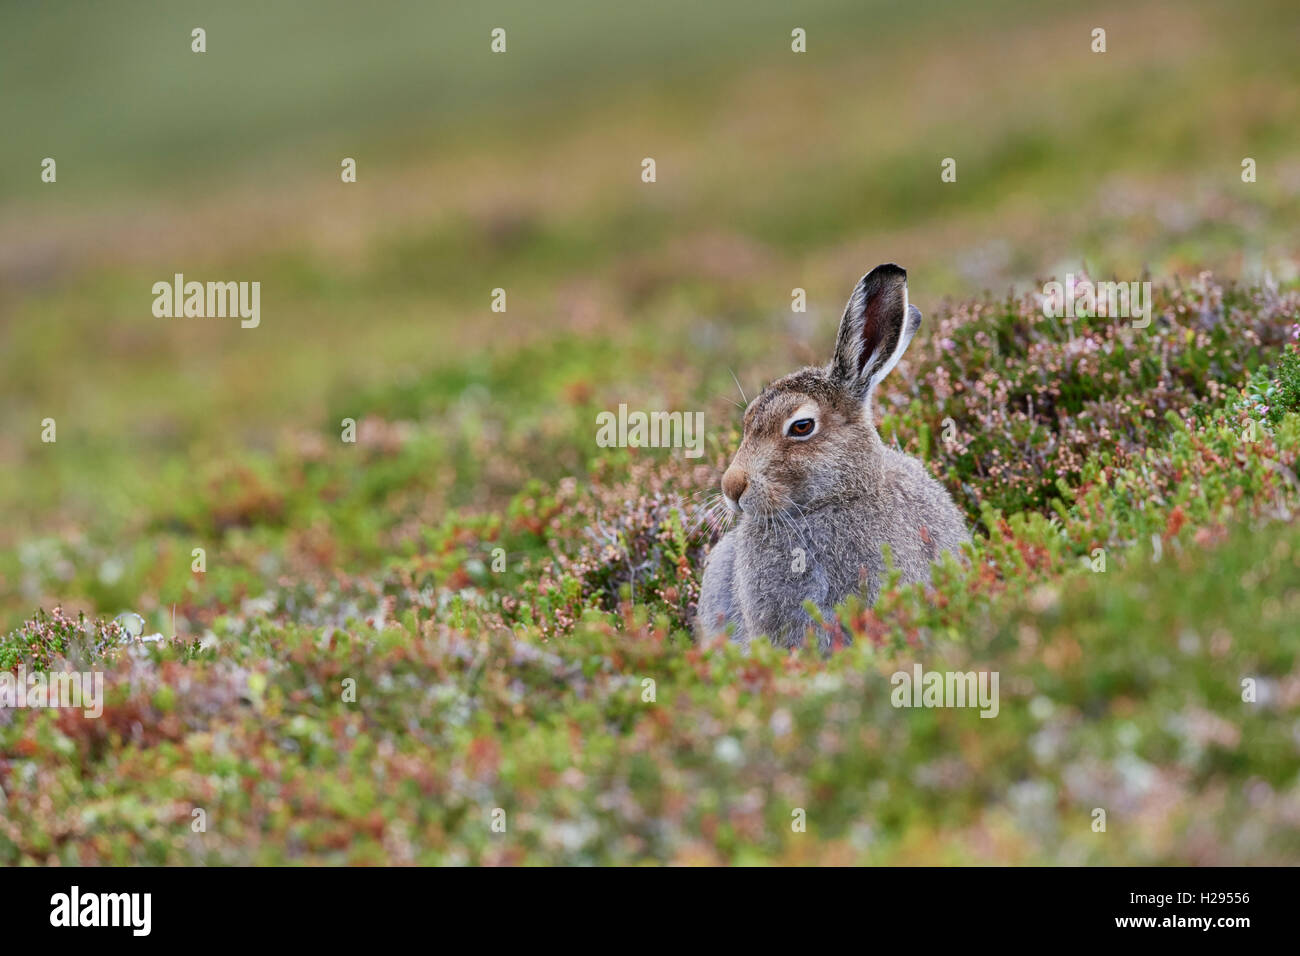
(734, 483)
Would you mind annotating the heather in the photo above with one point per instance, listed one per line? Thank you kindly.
(568, 692)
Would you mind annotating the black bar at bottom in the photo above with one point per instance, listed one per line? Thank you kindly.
(335, 906)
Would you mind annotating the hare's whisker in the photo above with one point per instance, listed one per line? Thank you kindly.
(737, 381)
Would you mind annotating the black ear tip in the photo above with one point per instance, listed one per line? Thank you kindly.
(887, 270)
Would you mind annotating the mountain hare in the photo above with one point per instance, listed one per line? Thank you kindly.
(817, 492)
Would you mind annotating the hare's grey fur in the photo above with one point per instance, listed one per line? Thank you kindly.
(814, 509)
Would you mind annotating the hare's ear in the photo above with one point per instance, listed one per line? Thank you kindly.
(876, 328)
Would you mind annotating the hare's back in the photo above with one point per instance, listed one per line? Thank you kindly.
(922, 506)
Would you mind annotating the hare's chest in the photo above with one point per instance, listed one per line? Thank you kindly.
(778, 572)
(822, 562)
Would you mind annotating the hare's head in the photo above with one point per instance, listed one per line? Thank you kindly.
(809, 438)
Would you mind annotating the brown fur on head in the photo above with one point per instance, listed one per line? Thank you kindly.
(809, 438)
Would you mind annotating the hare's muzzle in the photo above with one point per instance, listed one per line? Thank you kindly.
(734, 483)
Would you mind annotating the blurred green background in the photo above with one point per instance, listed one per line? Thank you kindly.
(522, 171)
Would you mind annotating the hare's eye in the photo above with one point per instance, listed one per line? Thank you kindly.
(801, 428)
